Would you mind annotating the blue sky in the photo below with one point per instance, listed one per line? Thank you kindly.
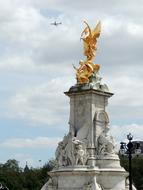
(36, 68)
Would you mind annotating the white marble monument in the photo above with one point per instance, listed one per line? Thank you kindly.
(86, 157)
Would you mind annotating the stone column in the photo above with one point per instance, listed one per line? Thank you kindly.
(86, 156)
(88, 117)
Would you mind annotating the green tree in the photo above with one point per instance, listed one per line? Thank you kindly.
(12, 165)
(137, 170)
(9, 175)
(15, 178)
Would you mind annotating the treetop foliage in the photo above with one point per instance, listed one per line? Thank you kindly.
(16, 178)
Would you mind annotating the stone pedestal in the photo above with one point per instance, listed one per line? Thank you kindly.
(86, 179)
(86, 158)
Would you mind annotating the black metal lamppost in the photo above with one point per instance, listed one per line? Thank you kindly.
(128, 149)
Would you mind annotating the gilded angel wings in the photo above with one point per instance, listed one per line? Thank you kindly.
(89, 40)
(88, 68)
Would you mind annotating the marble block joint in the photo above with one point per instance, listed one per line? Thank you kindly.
(86, 157)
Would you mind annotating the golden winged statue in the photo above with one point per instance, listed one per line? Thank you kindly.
(88, 68)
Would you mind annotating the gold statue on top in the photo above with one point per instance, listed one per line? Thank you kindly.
(88, 68)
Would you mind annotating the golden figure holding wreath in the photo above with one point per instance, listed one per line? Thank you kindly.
(88, 68)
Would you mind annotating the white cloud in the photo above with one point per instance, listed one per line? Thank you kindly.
(38, 142)
(30, 41)
(43, 104)
(128, 91)
(110, 26)
(36, 47)
(120, 132)
(31, 46)
(135, 29)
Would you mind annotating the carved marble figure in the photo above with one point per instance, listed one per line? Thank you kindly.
(106, 145)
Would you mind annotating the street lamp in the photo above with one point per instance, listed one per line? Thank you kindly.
(128, 149)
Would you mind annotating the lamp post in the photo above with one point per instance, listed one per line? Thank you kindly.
(127, 149)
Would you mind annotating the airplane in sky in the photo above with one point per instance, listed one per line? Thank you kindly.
(56, 23)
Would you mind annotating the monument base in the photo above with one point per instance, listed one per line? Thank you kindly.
(85, 178)
(86, 157)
